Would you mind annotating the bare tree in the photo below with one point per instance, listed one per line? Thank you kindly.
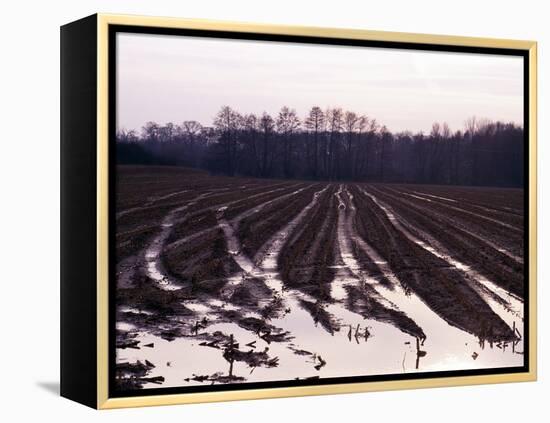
(267, 127)
(384, 158)
(227, 123)
(191, 130)
(287, 123)
(351, 121)
(332, 145)
(150, 131)
(372, 128)
(126, 136)
(250, 125)
(315, 123)
(445, 131)
(362, 123)
(470, 127)
(335, 122)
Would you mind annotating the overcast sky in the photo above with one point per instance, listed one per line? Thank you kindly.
(173, 78)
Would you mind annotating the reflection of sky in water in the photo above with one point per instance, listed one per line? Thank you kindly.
(386, 351)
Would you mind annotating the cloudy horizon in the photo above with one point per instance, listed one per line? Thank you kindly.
(165, 78)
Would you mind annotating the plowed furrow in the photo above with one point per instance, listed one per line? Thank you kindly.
(313, 247)
(468, 247)
(442, 288)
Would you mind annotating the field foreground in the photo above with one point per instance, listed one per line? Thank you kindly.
(230, 280)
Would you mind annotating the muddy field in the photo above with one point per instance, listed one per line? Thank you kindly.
(231, 280)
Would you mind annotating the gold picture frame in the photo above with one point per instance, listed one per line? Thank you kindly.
(102, 22)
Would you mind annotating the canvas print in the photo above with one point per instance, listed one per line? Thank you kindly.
(289, 212)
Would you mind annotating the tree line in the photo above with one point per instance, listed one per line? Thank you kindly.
(334, 145)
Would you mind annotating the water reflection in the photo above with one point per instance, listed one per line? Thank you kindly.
(292, 335)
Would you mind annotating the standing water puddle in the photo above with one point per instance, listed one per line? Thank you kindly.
(313, 351)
